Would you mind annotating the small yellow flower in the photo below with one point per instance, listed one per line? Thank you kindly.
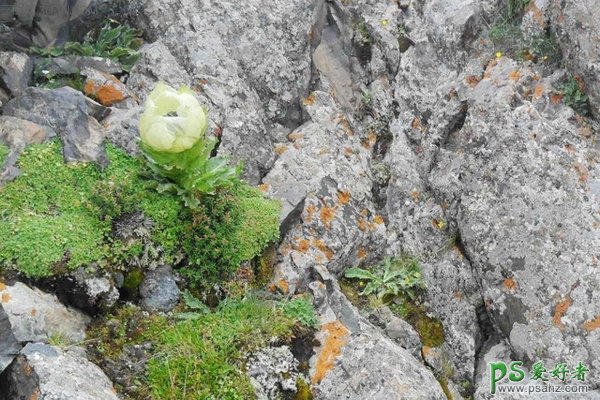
(384, 21)
(498, 54)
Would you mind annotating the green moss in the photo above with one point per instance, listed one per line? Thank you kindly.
(58, 216)
(203, 356)
(301, 309)
(4, 150)
(303, 391)
(233, 226)
(430, 330)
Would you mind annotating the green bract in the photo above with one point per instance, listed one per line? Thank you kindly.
(176, 148)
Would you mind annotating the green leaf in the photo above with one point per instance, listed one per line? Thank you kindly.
(194, 303)
(359, 273)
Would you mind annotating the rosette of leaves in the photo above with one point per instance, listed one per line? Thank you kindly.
(391, 278)
(176, 148)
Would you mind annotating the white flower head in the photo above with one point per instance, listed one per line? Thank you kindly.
(173, 120)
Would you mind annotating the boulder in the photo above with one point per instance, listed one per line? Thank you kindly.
(41, 371)
(159, 290)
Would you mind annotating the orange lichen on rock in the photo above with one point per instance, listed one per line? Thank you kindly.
(344, 197)
(327, 214)
(2, 285)
(592, 325)
(280, 149)
(283, 286)
(539, 91)
(378, 219)
(555, 98)
(320, 244)
(263, 187)
(510, 284)
(416, 123)
(295, 136)
(560, 310)
(362, 253)
(310, 100)
(582, 171)
(472, 80)
(337, 337)
(362, 224)
(303, 245)
(5, 298)
(310, 212)
(514, 75)
(107, 91)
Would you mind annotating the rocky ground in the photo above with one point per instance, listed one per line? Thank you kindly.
(461, 133)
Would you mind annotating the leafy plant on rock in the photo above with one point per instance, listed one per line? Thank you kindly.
(176, 148)
(391, 278)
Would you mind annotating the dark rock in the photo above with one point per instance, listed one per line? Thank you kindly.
(159, 290)
(70, 114)
(15, 71)
(9, 345)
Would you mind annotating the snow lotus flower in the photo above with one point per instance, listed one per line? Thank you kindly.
(176, 148)
(173, 120)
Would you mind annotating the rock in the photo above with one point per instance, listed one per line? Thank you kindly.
(402, 333)
(249, 96)
(322, 178)
(103, 87)
(15, 70)
(159, 290)
(41, 22)
(9, 345)
(273, 371)
(68, 65)
(36, 316)
(121, 128)
(524, 192)
(576, 23)
(18, 133)
(87, 288)
(70, 115)
(355, 361)
(46, 372)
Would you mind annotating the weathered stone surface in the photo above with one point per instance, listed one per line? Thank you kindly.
(72, 116)
(524, 191)
(159, 290)
(576, 22)
(249, 96)
(273, 371)
(46, 372)
(67, 65)
(36, 316)
(355, 361)
(15, 71)
(17, 133)
(9, 345)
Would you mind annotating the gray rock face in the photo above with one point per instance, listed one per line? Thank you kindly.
(70, 114)
(578, 29)
(9, 345)
(356, 361)
(46, 372)
(16, 134)
(248, 96)
(524, 190)
(159, 290)
(15, 70)
(37, 316)
(273, 370)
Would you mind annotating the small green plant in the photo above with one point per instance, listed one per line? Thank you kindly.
(391, 278)
(362, 36)
(176, 148)
(114, 41)
(574, 96)
(202, 358)
(196, 306)
(4, 151)
(232, 226)
(514, 8)
(302, 310)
